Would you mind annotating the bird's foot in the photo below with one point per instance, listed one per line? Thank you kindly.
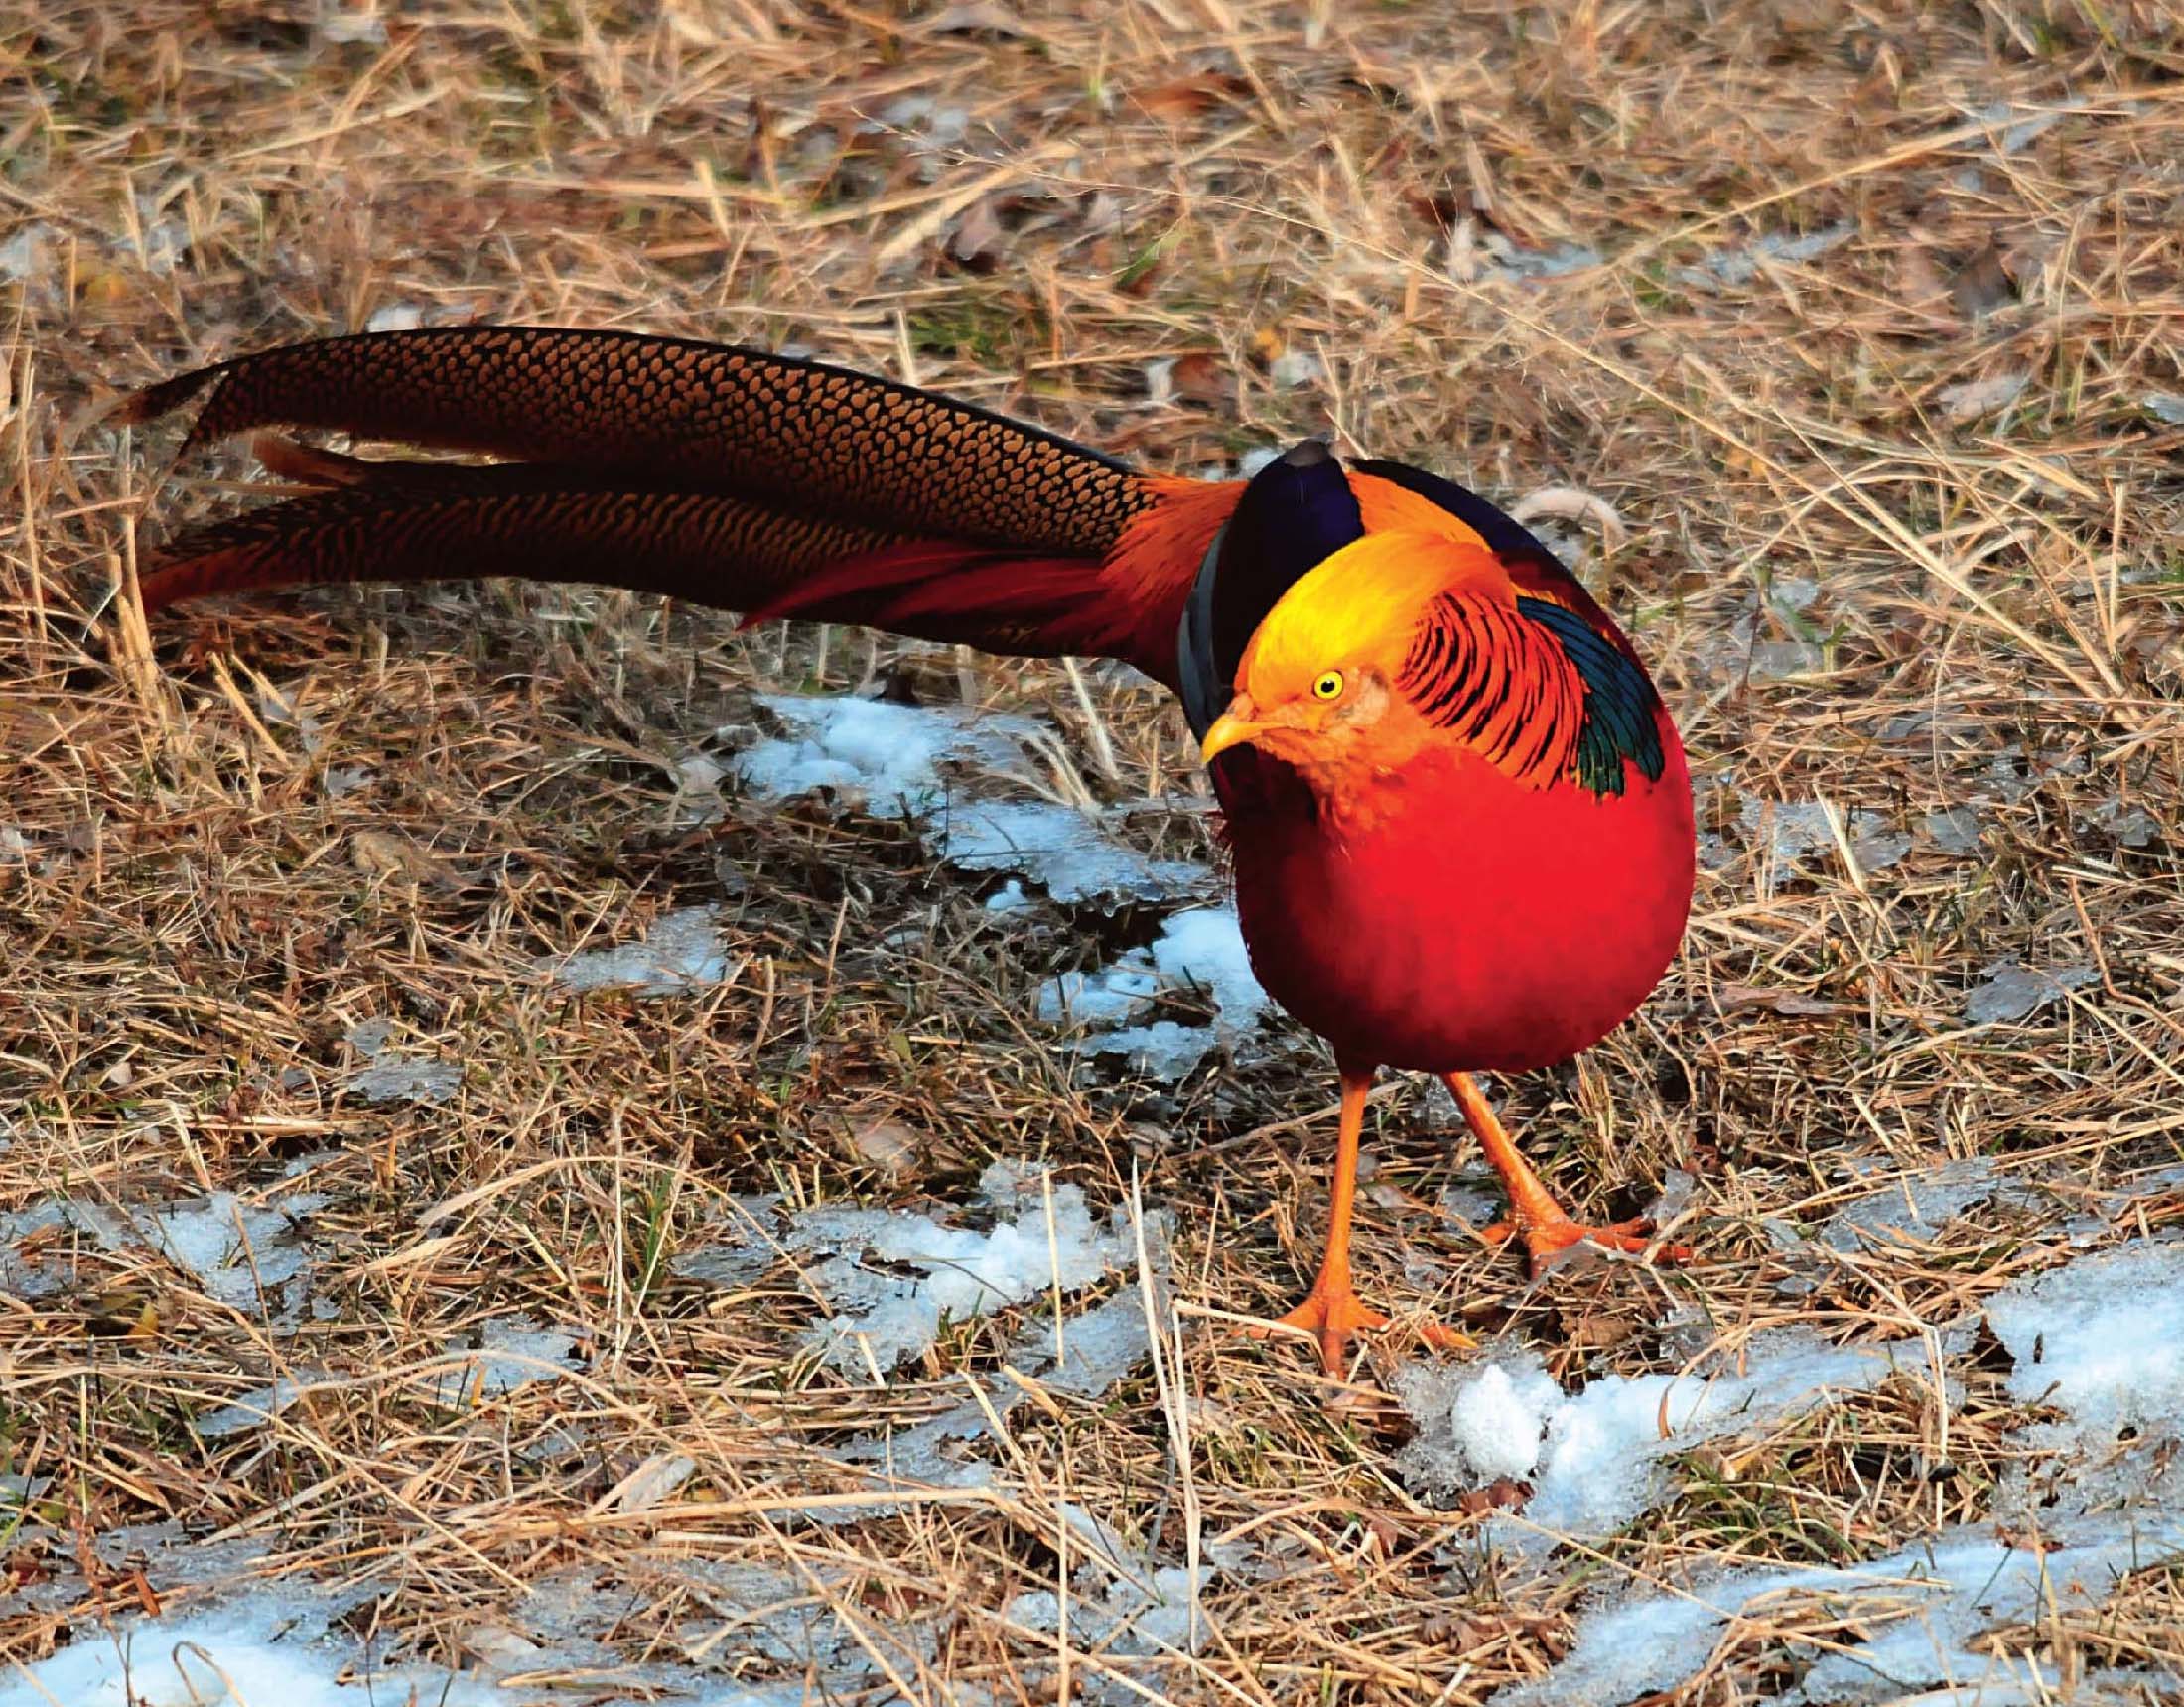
(1333, 1315)
(1549, 1239)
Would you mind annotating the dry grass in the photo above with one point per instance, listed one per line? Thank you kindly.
(190, 920)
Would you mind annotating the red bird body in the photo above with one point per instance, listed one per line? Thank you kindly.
(1460, 816)
(1475, 925)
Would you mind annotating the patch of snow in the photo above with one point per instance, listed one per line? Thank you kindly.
(1478, 1422)
(1257, 457)
(681, 951)
(2166, 406)
(1294, 367)
(1201, 948)
(1084, 1358)
(1918, 1205)
(882, 1317)
(232, 1247)
(1739, 266)
(1061, 849)
(890, 758)
(395, 316)
(2098, 1340)
(2015, 990)
(2094, 1339)
(511, 1352)
(1924, 1606)
(1603, 1455)
(886, 755)
(266, 1648)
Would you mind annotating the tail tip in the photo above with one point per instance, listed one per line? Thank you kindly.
(151, 402)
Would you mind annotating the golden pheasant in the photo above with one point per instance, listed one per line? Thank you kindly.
(1460, 816)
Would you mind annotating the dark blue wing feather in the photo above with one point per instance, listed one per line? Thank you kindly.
(1620, 701)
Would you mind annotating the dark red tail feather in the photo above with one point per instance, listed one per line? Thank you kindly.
(726, 476)
(702, 416)
(540, 523)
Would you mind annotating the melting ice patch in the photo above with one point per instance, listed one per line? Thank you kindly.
(236, 1248)
(888, 756)
(265, 1648)
(1203, 949)
(1147, 1613)
(1601, 1459)
(2015, 990)
(2096, 1339)
(1062, 850)
(1918, 1205)
(239, 1252)
(256, 1408)
(1799, 830)
(682, 951)
(388, 1077)
(883, 1315)
(1739, 266)
(508, 1352)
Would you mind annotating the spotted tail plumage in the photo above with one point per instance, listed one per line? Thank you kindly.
(728, 477)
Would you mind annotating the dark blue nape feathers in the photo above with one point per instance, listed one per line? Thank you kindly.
(1297, 512)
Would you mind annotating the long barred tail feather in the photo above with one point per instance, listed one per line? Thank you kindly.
(731, 478)
(710, 417)
(540, 523)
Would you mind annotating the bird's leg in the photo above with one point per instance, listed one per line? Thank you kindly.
(1546, 1227)
(1332, 1311)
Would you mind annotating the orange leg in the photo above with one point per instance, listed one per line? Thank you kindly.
(1546, 1227)
(1332, 1311)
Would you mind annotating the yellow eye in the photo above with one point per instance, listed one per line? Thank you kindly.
(1329, 685)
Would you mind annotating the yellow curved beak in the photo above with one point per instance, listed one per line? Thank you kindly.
(1228, 731)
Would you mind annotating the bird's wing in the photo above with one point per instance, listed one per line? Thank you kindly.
(1536, 690)
(728, 477)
